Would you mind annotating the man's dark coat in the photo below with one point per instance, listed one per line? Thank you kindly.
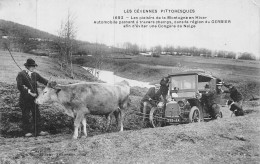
(26, 101)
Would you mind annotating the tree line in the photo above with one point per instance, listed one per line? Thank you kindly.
(134, 49)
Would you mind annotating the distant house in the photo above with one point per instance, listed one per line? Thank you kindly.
(163, 53)
(166, 53)
(38, 39)
(146, 53)
(3, 34)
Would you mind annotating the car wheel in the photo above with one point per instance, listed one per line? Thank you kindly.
(194, 115)
(155, 117)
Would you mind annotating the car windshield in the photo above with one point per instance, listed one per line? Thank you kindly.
(183, 86)
(183, 82)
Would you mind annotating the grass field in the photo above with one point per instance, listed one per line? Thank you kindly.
(227, 140)
(223, 68)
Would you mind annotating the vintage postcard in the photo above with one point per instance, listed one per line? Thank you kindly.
(129, 81)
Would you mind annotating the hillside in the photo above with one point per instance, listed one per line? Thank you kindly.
(227, 140)
(47, 67)
(8, 28)
(22, 33)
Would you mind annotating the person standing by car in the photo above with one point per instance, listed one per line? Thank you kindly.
(27, 86)
(235, 95)
(209, 100)
(153, 96)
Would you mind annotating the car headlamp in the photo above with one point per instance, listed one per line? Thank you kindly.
(181, 103)
(160, 105)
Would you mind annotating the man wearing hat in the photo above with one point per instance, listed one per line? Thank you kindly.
(27, 85)
(234, 94)
(209, 99)
(153, 95)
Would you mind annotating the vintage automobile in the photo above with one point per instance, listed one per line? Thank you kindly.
(183, 103)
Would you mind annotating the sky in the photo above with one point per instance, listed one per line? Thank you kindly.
(241, 35)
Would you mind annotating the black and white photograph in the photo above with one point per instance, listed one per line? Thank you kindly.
(129, 81)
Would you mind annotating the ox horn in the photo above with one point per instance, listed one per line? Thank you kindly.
(49, 82)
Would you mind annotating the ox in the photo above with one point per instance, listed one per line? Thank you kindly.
(85, 98)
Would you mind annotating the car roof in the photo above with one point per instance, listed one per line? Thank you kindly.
(193, 73)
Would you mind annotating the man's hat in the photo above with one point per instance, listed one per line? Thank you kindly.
(30, 62)
(164, 81)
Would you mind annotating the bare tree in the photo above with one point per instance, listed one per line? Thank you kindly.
(131, 49)
(135, 49)
(158, 48)
(98, 56)
(66, 44)
(247, 56)
(127, 47)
